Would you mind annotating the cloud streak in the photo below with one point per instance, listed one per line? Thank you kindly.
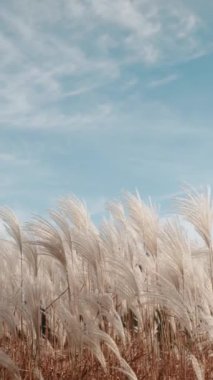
(163, 81)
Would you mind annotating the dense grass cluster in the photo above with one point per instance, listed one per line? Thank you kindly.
(132, 299)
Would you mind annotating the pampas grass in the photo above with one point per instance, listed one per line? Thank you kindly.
(131, 299)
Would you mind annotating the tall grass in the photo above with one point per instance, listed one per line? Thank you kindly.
(132, 299)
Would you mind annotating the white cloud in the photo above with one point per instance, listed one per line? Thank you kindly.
(126, 14)
(130, 83)
(62, 122)
(50, 51)
(14, 160)
(163, 81)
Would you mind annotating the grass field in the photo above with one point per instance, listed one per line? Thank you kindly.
(130, 299)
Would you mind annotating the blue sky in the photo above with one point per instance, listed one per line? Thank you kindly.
(98, 97)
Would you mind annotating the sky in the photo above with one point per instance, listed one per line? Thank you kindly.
(99, 97)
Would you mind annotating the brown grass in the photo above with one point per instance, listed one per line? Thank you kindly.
(56, 364)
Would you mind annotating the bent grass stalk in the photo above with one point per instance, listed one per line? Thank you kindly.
(129, 301)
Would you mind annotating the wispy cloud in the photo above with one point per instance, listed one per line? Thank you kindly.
(163, 81)
(51, 52)
(14, 160)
